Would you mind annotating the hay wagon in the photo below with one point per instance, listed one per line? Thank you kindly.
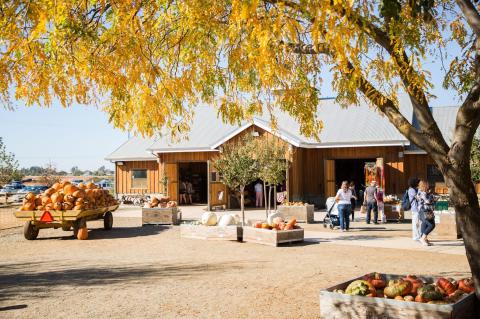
(68, 219)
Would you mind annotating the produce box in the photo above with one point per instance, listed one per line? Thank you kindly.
(339, 306)
(161, 216)
(393, 212)
(302, 213)
(272, 237)
(441, 205)
(445, 226)
(233, 232)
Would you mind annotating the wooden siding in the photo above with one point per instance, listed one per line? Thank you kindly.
(123, 177)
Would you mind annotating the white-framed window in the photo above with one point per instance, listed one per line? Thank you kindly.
(139, 178)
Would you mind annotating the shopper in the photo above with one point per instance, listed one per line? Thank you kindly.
(182, 190)
(353, 201)
(381, 205)
(417, 218)
(370, 200)
(189, 189)
(343, 199)
(258, 194)
(426, 201)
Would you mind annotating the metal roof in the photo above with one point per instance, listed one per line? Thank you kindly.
(354, 126)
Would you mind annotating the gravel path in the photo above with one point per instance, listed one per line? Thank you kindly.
(149, 272)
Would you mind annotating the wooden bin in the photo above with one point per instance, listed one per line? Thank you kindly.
(445, 226)
(393, 212)
(302, 213)
(341, 306)
(272, 237)
(233, 232)
(161, 216)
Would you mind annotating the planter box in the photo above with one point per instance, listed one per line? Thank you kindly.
(340, 306)
(393, 212)
(301, 213)
(211, 232)
(445, 226)
(272, 237)
(161, 216)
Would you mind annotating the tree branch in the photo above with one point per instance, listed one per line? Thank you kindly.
(471, 15)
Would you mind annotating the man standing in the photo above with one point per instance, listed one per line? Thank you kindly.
(370, 200)
(258, 194)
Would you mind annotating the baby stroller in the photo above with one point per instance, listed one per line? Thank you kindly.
(332, 220)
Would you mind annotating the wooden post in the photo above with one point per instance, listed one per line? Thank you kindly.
(209, 202)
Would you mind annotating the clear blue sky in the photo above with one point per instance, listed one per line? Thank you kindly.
(81, 135)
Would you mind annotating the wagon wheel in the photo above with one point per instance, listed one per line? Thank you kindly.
(82, 222)
(108, 221)
(30, 232)
(324, 225)
(331, 226)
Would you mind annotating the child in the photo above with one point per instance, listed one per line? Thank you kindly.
(381, 205)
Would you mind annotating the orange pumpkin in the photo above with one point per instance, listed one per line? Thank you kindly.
(82, 233)
(419, 298)
(57, 197)
(40, 207)
(79, 201)
(466, 285)
(376, 279)
(79, 193)
(28, 206)
(30, 196)
(446, 286)
(416, 283)
(38, 201)
(258, 225)
(399, 298)
(81, 186)
(57, 206)
(409, 298)
(69, 189)
(91, 185)
(46, 200)
(57, 186)
(49, 206)
(288, 227)
(67, 206)
(292, 222)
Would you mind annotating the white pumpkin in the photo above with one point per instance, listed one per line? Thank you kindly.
(226, 220)
(271, 217)
(209, 219)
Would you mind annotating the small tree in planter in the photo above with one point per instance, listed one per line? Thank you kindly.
(238, 168)
(272, 165)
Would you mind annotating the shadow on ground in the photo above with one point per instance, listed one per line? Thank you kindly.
(114, 233)
(19, 280)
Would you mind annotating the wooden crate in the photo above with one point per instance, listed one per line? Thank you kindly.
(341, 306)
(272, 237)
(301, 213)
(161, 216)
(445, 226)
(211, 232)
(393, 212)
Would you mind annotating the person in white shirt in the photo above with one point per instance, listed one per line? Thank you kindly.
(258, 194)
(343, 199)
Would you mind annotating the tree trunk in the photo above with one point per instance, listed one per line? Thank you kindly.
(275, 198)
(465, 201)
(269, 199)
(242, 208)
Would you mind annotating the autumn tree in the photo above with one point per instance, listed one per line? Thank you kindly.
(8, 165)
(238, 168)
(475, 160)
(150, 62)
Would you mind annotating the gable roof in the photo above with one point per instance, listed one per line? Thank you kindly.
(355, 126)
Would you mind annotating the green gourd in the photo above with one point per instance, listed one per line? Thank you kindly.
(358, 288)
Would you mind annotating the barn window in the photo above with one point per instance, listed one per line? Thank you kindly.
(139, 178)
(434, 175)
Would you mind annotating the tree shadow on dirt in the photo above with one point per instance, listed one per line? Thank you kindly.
(114, 233)
(22, 280)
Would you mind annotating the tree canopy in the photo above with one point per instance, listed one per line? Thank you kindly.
(8, 165)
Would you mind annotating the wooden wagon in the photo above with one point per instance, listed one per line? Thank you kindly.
(68, 219)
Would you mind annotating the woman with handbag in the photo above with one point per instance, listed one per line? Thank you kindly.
(427, 201)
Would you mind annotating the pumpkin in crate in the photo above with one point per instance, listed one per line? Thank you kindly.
(40, 207)
(28, 206)
(57, 206)
(361, 288)
(397, 287)
(416, 283)
(428, 293)
(81, 186)
(466, 284)
(445, 285)
(38, 201)
(69, 189)
(172, 204)
(82, 233)
(79, 193)
(49, 206)
(57, 186)
(57, 197)
(69, 199)
(91, 185)
(67, 206)
(49, 192)
(46, 200)
(376, 279)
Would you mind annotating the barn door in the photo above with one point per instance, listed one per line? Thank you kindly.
(329, 178)
(380, 172)
(171, 170)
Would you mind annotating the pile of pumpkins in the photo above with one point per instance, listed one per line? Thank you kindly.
(278, 223)
(66, 196)
(294, 204)
(162, 202)
(211, 219)
(410, 288)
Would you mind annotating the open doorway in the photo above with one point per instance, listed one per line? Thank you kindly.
(196, 174)
(351, 170)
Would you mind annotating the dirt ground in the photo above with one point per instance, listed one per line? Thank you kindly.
(150, 272)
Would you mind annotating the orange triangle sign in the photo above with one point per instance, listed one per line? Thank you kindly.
(46, 217)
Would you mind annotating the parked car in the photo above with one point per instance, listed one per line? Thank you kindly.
(77, 181)
(8, 189)
(105, 184)
(37, 189)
